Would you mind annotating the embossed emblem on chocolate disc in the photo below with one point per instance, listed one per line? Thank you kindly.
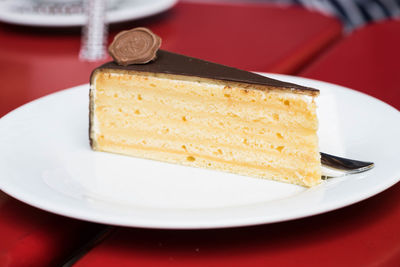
(136, 46)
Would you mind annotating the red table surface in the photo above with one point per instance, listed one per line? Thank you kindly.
(31, 237)
(364, 234)
(368, 61)
(36, 62)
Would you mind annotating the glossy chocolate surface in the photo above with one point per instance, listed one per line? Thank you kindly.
(171, 63)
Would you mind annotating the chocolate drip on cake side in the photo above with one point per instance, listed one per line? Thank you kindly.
(171, 63)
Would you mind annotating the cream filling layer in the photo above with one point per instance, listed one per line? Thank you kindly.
(178, 83)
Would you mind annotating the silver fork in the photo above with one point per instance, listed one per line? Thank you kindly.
(334, 166)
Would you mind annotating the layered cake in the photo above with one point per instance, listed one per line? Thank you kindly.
(159, 105)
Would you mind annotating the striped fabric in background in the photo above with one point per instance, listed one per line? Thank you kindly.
(353, 13)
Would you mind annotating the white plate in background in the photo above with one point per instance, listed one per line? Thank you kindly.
(46, 161)
(28, 12)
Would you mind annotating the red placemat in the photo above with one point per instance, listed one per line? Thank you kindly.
(367, 61)
(31, 237)
(255, 37)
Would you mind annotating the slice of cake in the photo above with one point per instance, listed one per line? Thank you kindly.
(188, 111)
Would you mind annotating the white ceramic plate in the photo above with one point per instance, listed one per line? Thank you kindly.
(29, 12)
(46, 161)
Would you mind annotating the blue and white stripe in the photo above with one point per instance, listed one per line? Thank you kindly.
(354, 13)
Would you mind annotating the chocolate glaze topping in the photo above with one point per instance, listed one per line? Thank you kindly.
(136, 46)
(171, 63)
